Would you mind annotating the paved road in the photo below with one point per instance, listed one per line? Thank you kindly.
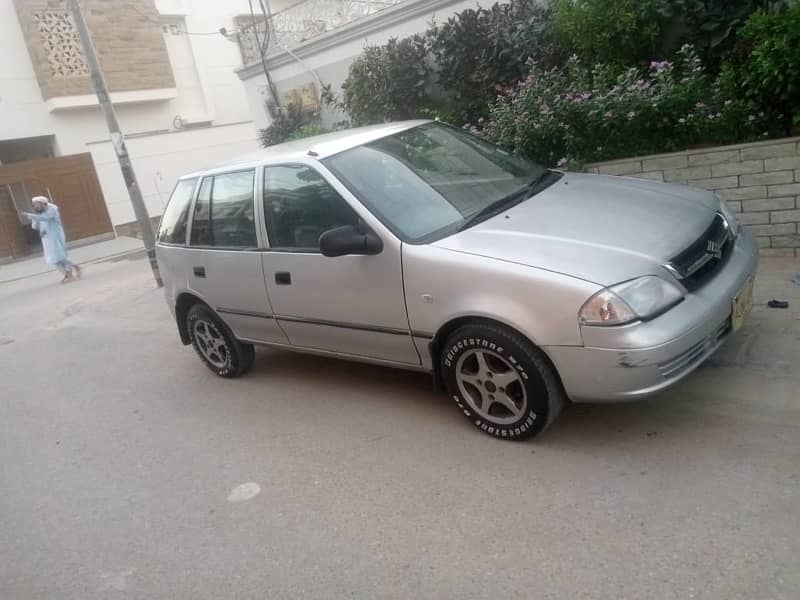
(122, 458)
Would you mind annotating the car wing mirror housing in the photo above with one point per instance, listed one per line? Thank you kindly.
(345, 240)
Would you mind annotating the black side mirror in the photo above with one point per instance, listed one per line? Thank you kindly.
(348, 240)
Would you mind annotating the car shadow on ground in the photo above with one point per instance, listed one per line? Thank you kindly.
(342, 376)
(583, 425)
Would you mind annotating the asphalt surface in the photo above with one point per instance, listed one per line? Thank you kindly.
(130, 471)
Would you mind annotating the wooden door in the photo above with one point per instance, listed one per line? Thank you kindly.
(71, 183)
(13, 242)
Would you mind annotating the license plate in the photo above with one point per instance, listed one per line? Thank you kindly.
(741, 305)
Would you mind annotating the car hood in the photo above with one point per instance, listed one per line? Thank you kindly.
(600, 228)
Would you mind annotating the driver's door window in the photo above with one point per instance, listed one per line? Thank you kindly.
(299, 206)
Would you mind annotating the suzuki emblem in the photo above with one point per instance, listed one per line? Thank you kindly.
(714, 249)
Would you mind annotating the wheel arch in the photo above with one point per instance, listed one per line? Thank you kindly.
(184, 302)
(436, 344)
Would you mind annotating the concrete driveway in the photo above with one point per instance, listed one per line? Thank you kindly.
(130, 471)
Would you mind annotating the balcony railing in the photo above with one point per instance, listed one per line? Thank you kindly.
(303, 21)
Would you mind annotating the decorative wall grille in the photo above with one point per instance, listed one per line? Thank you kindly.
(61, 44)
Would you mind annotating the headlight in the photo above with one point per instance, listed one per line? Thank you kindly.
(729, 216)
(642, 298)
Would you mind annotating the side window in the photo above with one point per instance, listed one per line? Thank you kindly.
(299, 206)
(224, 214)
(173, 222)
(201, 222)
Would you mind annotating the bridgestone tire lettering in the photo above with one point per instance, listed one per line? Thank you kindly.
(543, 391)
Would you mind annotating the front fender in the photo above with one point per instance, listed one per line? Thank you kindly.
(441, 285)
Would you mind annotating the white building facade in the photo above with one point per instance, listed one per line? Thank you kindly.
(173, 83)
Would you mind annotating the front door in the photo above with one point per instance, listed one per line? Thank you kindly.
(223, 262)
(348, 304)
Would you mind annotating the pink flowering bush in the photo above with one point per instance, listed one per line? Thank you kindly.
(580, 113)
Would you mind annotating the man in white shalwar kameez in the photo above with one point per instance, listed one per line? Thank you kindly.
(47, 221)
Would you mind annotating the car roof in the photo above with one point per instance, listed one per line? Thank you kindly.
(317, 147)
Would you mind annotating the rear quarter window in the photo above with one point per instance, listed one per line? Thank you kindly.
(174, 220)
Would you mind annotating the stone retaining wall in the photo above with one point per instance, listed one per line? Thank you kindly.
(760, 181)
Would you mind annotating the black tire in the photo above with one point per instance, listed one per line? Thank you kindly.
(232, 357)
(533, 386)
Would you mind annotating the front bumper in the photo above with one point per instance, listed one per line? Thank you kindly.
(638, 360)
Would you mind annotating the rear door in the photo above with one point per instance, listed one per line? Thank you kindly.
(347, 304)
(223, 259)
(174, 259)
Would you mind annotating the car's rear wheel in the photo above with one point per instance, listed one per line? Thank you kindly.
(215, 343)
(500, 381)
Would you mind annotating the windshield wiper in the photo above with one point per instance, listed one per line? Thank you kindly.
(535, 186)
(542, 181)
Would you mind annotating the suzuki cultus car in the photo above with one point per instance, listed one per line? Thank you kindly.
(417, 245)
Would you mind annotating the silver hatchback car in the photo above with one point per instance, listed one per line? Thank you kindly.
(416, 245)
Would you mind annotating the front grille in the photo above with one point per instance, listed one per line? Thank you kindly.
(690, 357)
(698, 263)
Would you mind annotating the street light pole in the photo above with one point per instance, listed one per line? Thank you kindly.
(117, 139)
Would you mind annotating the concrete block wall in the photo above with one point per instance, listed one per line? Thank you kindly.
(760, 181)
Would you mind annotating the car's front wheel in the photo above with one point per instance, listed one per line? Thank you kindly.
(501, 382)
(215, 343)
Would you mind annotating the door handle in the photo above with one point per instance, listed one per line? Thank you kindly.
(283, 278)
(199, 271)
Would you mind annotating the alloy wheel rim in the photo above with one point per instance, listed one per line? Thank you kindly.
(491, 386)
(211, 344)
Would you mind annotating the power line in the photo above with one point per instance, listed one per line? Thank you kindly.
(267, 12)
(272, 15)
(161, 23)
(263, 45)
(262, 52)
(268, 17)
(290, 7)
(201, 32)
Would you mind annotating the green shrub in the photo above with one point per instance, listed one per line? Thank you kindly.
(287, 120)
(307, 130)
(767, 68)
(452, 72)
(709, 25)
(588, 114)
(478, 51)
(291, 123)
(605, 101)
(620, 32)
(386, 83)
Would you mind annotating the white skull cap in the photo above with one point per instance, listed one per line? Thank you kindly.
(41, 199)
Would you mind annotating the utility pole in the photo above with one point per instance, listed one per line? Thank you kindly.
(117, 139)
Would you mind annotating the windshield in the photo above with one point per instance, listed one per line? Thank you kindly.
(423, 183)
